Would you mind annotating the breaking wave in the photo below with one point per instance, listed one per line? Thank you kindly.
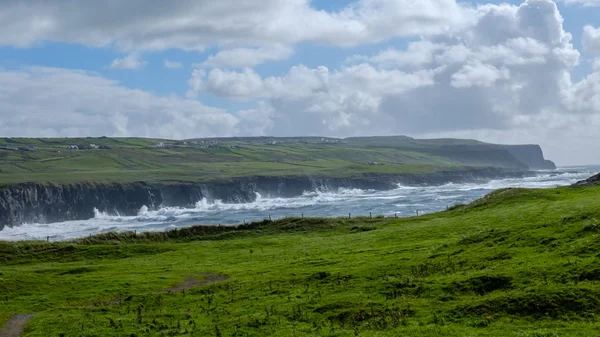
(402, 201)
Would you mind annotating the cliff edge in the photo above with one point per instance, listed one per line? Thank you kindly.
(46, 203)
(530, 155)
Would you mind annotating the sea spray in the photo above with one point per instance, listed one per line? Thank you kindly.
(401, 201)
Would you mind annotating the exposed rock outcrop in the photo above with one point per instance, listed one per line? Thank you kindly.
(45, 203)
(591, 181)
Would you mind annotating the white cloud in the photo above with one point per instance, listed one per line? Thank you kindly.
(418, 54)
(302, 82)
(257, 121)
(235, 85)
(248, 57)
(51, 102)
(596, 65)
(591, 39)
(192, 25)
(585, 3)
(315, 101)
(478, 74)
(172, 65)
(507, 75)
(495, 72)
(585, 96)
(131, 61)
(231, 84)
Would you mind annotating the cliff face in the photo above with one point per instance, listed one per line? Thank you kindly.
(42, 203)
(530, 155)
(479, 155)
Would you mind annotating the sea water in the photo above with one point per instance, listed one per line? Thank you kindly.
(402, 201)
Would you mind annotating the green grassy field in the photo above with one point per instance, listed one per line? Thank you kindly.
(138, 159)
(515, 263)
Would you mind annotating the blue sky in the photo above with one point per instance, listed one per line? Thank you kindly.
(502, 71)
(157, 79)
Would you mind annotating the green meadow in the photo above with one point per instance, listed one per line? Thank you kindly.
(519, 262)
(123, 160)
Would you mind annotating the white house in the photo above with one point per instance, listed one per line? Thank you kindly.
(73, 147)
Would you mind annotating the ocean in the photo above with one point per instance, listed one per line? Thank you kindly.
(402, 201)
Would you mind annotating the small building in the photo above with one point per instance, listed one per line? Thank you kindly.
(161, 144)
(73, 147)
(11, 148)
(30, 148)
(93, 146)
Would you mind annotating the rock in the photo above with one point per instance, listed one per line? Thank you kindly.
(46, 203)
(591, 181)
(530, 155)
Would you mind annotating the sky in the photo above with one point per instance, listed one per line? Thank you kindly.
(504, 72)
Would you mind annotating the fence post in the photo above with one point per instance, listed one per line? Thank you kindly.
(302, 215)
(349, 216)
(417, 213)
(270, 217)
(370, 216)
(47, 239)
(395, 215)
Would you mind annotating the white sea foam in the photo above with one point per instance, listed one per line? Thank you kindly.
(403, 201)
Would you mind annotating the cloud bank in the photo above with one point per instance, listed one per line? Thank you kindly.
(496, 72)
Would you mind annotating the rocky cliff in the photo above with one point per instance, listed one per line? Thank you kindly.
(45, 203)
(530, 155)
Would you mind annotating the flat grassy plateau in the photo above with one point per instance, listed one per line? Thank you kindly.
(518, 262)
(124, 160)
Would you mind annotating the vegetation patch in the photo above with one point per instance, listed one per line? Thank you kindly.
(481, 285)
(128, 160)
(487, 235)
(591, 274)
(75, 271)
(362, 228)
(539, 303)
(28, 252)
(509, 268)
(373, 318)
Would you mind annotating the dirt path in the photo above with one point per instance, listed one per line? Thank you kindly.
(16, 325)
(193, 282)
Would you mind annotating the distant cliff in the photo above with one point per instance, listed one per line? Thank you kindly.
(530, 155)
(46, 203)
(465, 151)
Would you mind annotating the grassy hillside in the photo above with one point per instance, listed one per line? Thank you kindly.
(516, 263)
(135, 159)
